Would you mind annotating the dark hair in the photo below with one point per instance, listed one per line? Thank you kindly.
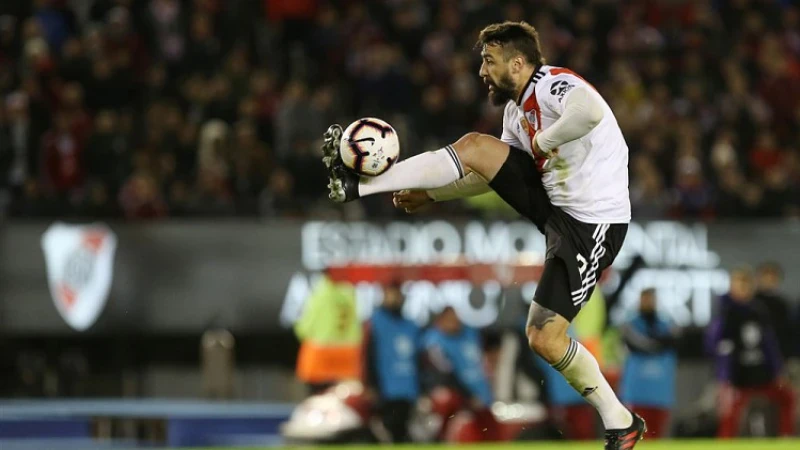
(513, 37)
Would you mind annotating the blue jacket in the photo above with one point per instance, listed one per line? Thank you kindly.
(648, 377)
(456, 361)
(392, 356)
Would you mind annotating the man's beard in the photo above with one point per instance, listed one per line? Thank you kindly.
(503, 91)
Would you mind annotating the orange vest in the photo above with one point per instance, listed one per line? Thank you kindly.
(330, 333)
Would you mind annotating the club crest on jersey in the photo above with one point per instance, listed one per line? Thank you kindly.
(560, 88)
(79, 261)
(528, 124)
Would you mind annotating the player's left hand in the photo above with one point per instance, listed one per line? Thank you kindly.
(538, 150)
(411, 201)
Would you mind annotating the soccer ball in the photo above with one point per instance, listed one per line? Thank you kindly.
(369, 146)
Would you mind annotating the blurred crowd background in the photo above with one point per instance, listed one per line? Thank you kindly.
(150, 109)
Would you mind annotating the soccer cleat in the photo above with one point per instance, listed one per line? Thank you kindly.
(343, 183)
(627, 438)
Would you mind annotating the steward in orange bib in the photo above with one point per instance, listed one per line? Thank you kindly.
(330, 334)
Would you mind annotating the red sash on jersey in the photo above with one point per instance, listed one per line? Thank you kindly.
(532, 105)
(560, 70)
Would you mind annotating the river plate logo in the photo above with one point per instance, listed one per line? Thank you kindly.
(80, 266)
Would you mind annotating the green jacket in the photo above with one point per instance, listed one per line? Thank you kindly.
(329, 316)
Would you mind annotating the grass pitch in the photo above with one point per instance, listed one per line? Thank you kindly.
(761, 444)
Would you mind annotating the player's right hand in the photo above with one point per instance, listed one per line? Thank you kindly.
(411, 201)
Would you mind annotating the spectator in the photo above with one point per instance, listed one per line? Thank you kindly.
(748, 357)
(213, 195)
(290, 119)
(252, 162)
(75, 66)
(107, 155)
(167, 21)
(71, 101)
(780, 198)
(203, 51)
(213, 154)
(768, 294)
(20, 137)
(277, 198)
(391, 352)
(98, 202)
(729, 197)
(452, 359)
(648, 379)
(267, 101)
(185, 152)
(62, 154)
(223, 104)
(55, 22)
(140, 198)
(648, 199)
(9, 45)
(765, 155)
(108, 87)
(123, 40)
(692, 193)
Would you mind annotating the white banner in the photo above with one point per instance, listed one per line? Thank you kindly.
(679, 264)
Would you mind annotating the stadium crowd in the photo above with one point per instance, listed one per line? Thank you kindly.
(147, 109)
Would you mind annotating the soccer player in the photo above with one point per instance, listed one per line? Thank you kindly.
(561, 162)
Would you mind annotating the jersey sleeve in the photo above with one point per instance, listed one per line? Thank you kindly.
(553, 95)
(508, 135)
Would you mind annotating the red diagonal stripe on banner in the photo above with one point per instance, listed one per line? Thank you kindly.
(93, 240)
(66, 295)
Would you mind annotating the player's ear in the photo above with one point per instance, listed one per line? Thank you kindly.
(517, 64)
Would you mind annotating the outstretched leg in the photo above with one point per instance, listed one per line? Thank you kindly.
(474, 152)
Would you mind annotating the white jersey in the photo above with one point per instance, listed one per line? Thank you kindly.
(588, 178)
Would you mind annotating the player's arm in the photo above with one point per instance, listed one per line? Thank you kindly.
(580, 110)
(411, 201)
